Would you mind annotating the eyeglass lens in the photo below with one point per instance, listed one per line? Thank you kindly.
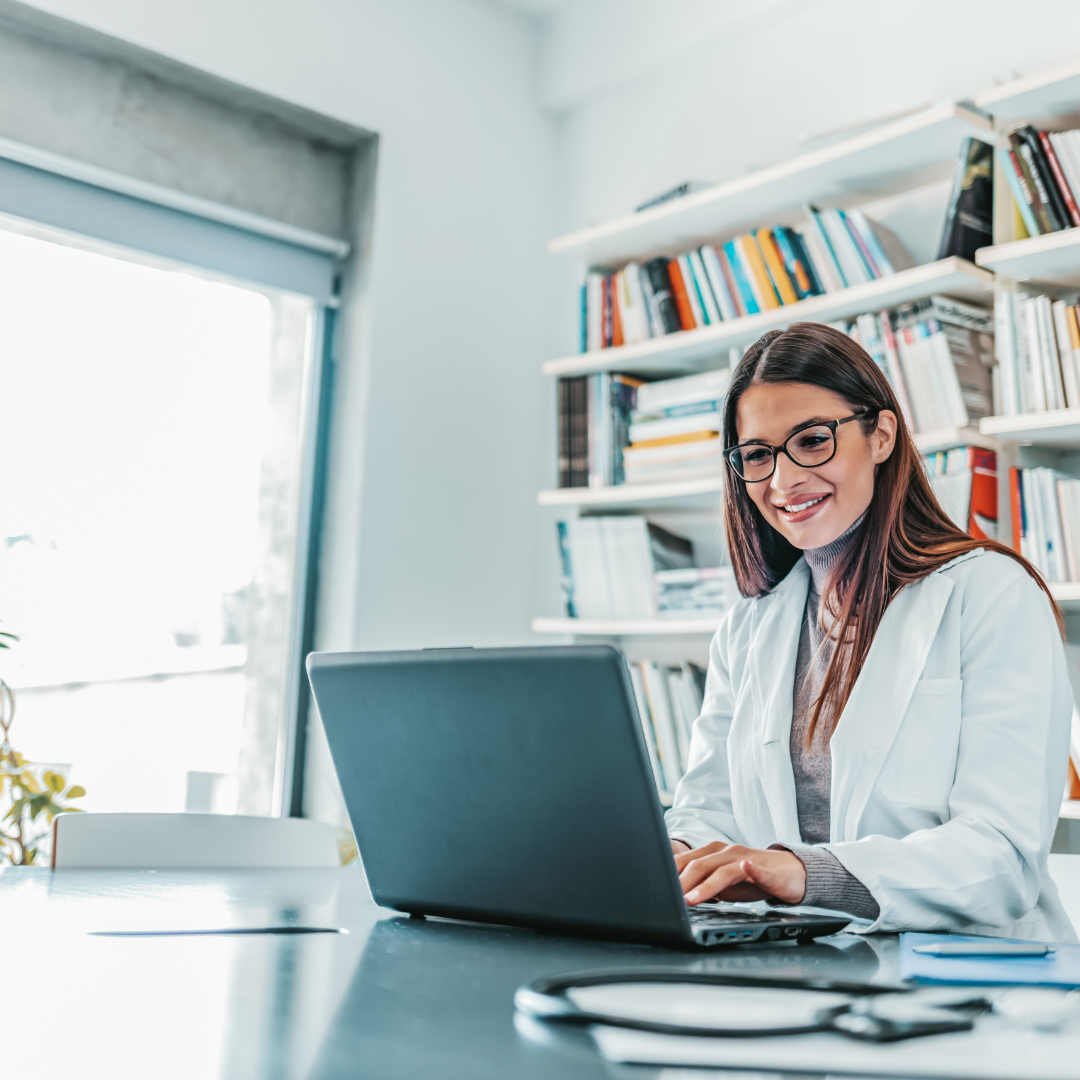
(809, 447)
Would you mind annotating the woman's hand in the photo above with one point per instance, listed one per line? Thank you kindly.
(733, 872)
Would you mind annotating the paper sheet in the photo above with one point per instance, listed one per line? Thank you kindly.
(995, 1050)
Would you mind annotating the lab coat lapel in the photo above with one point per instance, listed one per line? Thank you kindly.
(879, 700)
(773, 657)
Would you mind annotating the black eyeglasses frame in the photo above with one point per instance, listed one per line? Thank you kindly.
(832, 425)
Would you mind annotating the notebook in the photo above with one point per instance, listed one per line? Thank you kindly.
(1059, 968)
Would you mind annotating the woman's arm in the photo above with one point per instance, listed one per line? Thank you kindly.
(983, 866)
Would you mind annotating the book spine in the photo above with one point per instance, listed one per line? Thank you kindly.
(1059, 177)
(615, 287)
(567, 580)
(663, 300)
(775, 266)
(860, 246)
(1016, 182)
(1040, 168)
(682, 301)
(732, 284)
(697, 312)
(1014, 508)
(797, 272)
(584, 300)
(865, 228)
(822, 236)
(564, 433)
(711, 261)
(1022, 157)
(704, 290)
(758, 275)
(742, 280)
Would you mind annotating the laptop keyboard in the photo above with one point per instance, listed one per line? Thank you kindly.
(717, 915)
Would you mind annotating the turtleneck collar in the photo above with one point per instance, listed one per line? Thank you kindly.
(820, 559)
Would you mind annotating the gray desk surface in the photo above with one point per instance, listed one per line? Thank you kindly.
(393, 998)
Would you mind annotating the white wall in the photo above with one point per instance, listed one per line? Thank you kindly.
(433, 516)
(652, 102)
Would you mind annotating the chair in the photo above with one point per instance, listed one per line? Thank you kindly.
(189, 842)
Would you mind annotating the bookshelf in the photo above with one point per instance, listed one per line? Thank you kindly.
(613, 628)
(1056, 428)
(699, 350)
(1067, 595)
(703, 494)
(889, 159)
(1053, 259)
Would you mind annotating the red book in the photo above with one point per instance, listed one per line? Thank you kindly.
(1014, 505)
(617, 337)
(1059, 177)
(984, 500)
(682, 301)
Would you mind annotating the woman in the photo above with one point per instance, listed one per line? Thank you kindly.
(886, 720)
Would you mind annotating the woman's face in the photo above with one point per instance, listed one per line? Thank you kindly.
(811, 507)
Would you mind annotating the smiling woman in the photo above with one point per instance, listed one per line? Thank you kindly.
(884, 681)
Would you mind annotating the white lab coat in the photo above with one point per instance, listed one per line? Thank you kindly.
(948, 762)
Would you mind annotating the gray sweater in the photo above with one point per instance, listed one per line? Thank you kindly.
(828, 883)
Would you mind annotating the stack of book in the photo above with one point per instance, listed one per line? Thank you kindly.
(1046, 521)
(938, 356)
(1039, 352)
(1043, 172)
(965, 482)
(674, 431)
(594, 426)
(627, 568)
(669, 701)
(698, 593)
(765, 269)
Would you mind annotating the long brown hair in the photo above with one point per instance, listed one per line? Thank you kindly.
(904, 535)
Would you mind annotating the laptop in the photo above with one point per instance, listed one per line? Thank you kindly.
(513, 786)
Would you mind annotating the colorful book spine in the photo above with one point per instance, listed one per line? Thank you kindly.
(774, 265)
(682, 301)
(742, 281)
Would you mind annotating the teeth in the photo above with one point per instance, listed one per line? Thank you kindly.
(802, 506)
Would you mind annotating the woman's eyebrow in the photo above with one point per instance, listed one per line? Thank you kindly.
(804, 423)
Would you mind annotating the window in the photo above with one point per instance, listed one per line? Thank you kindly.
(150, 522)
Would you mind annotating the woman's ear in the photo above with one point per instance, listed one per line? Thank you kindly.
(883, 437)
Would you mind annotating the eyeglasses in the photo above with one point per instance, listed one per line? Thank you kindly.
(809, 446)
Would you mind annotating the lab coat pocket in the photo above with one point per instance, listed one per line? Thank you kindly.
(921, 763)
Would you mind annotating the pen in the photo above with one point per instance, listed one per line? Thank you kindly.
(999, 949)
(225, 931)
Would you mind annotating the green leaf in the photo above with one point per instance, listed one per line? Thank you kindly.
(54, 781)
(76, 791)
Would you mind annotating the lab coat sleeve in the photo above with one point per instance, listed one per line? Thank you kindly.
(702, 811)
(982, 866)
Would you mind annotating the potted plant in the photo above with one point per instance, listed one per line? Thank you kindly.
(32, 795)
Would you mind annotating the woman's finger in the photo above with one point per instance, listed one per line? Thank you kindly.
(723, 877)
(785, 881)
(697, 870)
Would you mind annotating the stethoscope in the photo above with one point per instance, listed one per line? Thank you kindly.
(749, 1006)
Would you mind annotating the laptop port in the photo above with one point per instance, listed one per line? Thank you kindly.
(748, 933)
(791, 931)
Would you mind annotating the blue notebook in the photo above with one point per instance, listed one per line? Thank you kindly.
(1059, 968)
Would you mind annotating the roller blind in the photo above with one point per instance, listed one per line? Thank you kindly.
(53, 190)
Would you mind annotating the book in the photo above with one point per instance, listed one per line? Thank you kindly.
(965, 483)
(697, 309)
(706, 297)
(718, 280)
(688, 389)
(777, 272)
(665, 312)
(740, 274)
(795, 262)
(1059, 177)
(650, 430)
(854, 267)
(682, 300)
(969, 217)
(758, 276)
(1044, 177)
(1020, 199)
(1045, 511)
(1033, 192)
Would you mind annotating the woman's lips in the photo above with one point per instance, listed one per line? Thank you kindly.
(810, 506)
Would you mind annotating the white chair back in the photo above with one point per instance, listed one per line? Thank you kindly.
(190, 842)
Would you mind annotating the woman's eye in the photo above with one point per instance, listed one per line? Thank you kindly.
(756, 457)
(813, 440)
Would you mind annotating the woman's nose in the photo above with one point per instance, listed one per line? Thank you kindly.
(786, 474)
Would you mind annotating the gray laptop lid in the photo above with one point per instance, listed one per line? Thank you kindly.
(506, 785)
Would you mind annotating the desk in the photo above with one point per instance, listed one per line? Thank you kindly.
(394, 998)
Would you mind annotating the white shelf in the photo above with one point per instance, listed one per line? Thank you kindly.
(892, 158)
(698, 350)
(1070, 808)
(701, 494)
(1057, 428)
(929, 442)
(1054, 93)
(1053, 258)
(615, 628)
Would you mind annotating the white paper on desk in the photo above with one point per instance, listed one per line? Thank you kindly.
(995, 1050)
(704, 1006)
